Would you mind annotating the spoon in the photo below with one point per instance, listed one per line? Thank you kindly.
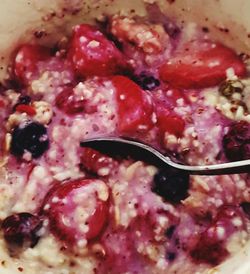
(122, 146)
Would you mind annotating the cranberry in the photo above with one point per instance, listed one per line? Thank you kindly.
(31, 137)
(21, 230)
(30, 110)
(171, 184)
(236, 143)
(77, 210)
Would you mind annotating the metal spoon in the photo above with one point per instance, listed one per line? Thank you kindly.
(122, 146)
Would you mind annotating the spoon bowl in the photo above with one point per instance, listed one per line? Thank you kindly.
(135, 149)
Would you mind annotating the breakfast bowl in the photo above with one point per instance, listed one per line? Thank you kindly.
(171, 74)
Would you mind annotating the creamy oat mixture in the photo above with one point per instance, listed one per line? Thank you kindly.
(73, 210)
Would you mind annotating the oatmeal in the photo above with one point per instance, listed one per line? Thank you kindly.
(70, 209)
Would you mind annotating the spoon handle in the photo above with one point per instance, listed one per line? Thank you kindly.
(217, 169)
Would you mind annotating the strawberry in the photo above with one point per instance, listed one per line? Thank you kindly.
(2, 103)
(25, 62)
(91, 53)
(68, 103)
(77, 210)
(96, 162)
(170, 123)
(135, 107)
(167, 119)
(201, 68)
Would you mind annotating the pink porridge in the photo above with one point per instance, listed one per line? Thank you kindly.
(71, 210)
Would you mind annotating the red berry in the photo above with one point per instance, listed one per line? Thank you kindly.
(236, 143)
(77, 210)
(96, 162)
(71, 103)
(91, 53)
(210, 253)
(200, 68)
(25, 63)
(26, 108)
(169, 122)
(226, 218)
(2, 103)
(167, 119)
(135, 107)
(211, 247)
(21, 230)
(67, 102)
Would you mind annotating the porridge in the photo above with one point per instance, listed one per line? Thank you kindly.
(70, 209)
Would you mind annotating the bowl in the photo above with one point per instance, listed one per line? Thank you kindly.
(45, 21)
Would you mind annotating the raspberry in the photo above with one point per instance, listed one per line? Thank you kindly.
(236, 143)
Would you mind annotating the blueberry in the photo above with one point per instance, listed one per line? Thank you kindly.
(22, 100)
(170, 231)
(246, 208)
(21, 230)
(171, 184)
(170, 256)
(146, 81)
(171, 29)
(31, 137)
(236, 143)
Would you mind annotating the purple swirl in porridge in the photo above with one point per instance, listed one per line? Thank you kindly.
(68, 209)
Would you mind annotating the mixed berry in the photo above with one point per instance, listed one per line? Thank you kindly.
(21, 230)
(77, 210)
(236, 143)
(29, 138)
(126, 215)
(146, 81)
(171, 184)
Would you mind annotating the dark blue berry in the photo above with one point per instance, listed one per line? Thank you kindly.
(171, 29)
(170, 231)
(146, 81)
(246, 208)
(31, 137)
(170, 256)
(22, 100)
(171, 184)
(21, 230)
(236, 143)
